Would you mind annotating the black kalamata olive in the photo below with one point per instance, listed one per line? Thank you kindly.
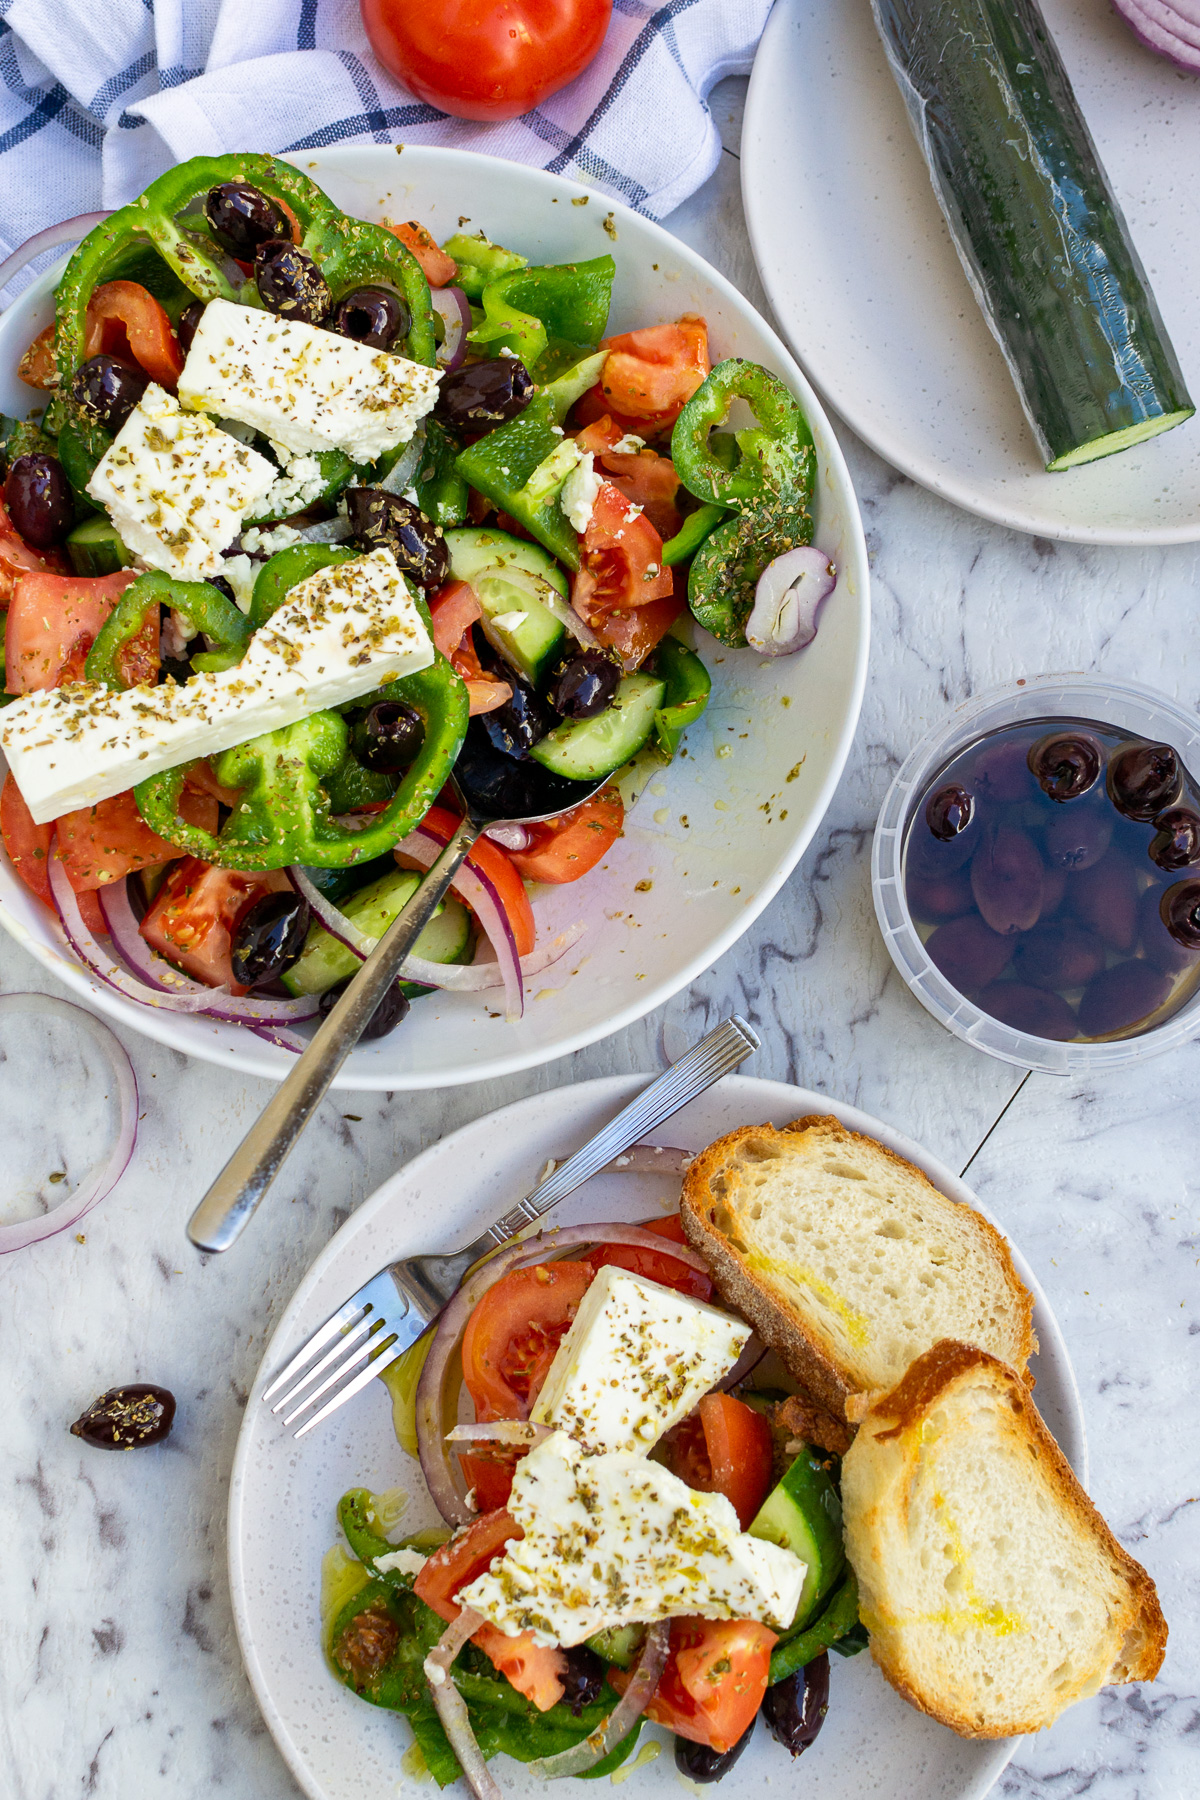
(241, 218)
(189, 320)
(179, 668)
(583, 684)
(290, 283)
(1143, 779)
(1122, 996)
(1077, 839)
(485, 394)
(383, 521)
(699, 1763)
(389, 736)
(1000, 773)
(582, 1679)
(127, 1418)
(521, 722)
(268, 938)
(372, 315)
(223, 586)
(1179, 909)
(1176, 840)
(949, 811)
(39, 501)
(1066, 764)
(391, 1011)
(108, 389)
(795, 1708)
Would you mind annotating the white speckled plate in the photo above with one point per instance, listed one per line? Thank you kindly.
(283, 1494)
(718, 832)
(863, 277)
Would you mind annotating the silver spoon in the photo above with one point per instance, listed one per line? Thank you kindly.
(494, 790)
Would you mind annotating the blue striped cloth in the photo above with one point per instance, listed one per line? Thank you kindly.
(97, 97)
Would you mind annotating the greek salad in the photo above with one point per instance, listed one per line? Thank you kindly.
(312, 508)
(638, 1525)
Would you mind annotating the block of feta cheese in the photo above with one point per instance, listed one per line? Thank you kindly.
(614, 1539)
(177, 488)
(338, 634)
(637, 1358)
(305, 388)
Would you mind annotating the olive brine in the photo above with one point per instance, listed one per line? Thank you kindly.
(1053, 868)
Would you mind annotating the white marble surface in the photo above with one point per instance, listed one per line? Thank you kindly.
(119, 1673)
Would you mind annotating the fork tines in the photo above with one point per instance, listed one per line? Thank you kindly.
(360, 1340)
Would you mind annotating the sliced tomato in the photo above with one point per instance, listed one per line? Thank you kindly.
(600, 435)
(621, 568)
(37, 367)
(93, 918)
(102, 843)
(534, 1671)
(125, 320)
(654, 1265)
(724, 1447)
(594, 406)
(53, 621)
(18, 558)
(653, 373)
(195, 913)
(714, 1681)
(453, 611)
(644, 477)
(28, 845)
(565, 848)
(490, 860)
(438, 268)
(632, 634)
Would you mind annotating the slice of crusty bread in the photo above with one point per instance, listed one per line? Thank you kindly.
(994, 1593)
(846, 1259)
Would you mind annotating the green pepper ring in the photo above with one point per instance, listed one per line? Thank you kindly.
(206, 607)
(778, 455)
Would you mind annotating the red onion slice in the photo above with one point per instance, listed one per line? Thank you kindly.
(509, 836)
(424, 846)
(90, 1192)
(101, 964)
(452, 1708)
(623, 1717)
(402, 471)
(500, 1431)
(431, 1441)
(789, 592)
(750, 1358)
(455, 311)
(1169, 30)
(69, 231)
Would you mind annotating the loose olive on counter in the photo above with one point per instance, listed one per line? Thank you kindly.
(127, 1418)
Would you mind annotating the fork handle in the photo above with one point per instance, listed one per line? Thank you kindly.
(232, 1199)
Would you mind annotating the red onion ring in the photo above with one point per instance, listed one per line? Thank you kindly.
(424, 846)
(624, 1715)
(452, 1708)
(69, 231)
(1170, 30)
(431, 1442)
(98, 961)
(787, 599)
(93, 1190)
(454, 309)
(750, 1358)
(509, 836)
(500, 1431)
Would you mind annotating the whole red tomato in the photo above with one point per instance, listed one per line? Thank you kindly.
(485, 59)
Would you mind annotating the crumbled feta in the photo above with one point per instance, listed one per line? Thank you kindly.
(404, 1562)
(340, 633)
(614, 1539)
(629, 445)
(267, 540)
(299, 483)
(509, 621)
(579, 493)
(241, 574)
(303, 387)
(637, 1358)
(176, 487)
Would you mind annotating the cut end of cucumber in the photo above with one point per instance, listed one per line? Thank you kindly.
(1120, 440)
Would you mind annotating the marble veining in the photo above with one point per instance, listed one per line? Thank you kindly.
(119, 1671)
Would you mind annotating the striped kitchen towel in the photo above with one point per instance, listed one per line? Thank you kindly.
(98, 99)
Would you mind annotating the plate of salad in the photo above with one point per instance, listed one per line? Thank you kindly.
(333, 1657)
(322, 474)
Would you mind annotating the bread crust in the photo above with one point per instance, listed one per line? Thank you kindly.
(780, 1324)
(897, 1417)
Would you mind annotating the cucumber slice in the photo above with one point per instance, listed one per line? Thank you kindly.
(474, 549)
(95, 549)
(324, 961)
(585, 749)
(804, 1514)
(526, 633)
(619, 1644)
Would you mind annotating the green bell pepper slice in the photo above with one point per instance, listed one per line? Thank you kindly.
(725, 569)
(502, 464)
(839, 1618)
(352, 785)
(480, 262)
(440, 489)
(573, 384)
(688, 686)
(287, 567)
(777, 458)
(205, 606)
(691, 534)
(558, 305)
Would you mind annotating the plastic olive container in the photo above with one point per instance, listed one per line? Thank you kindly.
(1122, 707)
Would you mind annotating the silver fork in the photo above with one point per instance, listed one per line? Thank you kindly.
(388, 1313)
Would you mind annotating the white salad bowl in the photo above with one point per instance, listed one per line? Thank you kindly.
(718, 832)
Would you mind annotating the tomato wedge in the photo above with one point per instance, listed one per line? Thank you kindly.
(632, 634)
(724, 1447)
(644, 477)
(565, 848)
(653, 373)
(714, 1681)
(27, 844)
(533, 1670)
(654, 1265)
(102, 843)
(53, 621)
(123, 320)
(490, 860)
(438, 268)
(453, 611)
(195, 913)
